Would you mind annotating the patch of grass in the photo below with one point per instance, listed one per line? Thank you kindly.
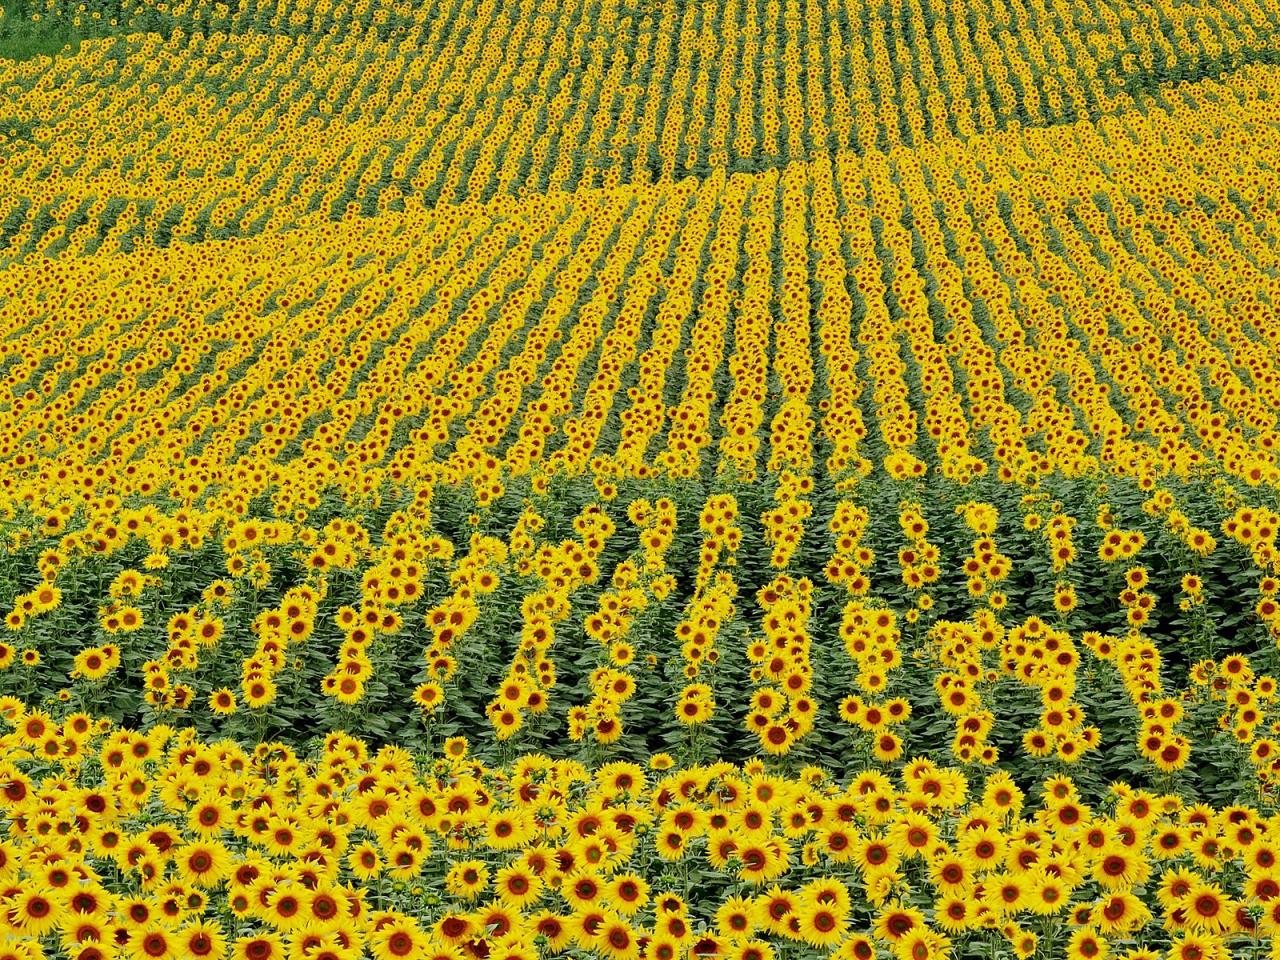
(12, 128)
(1186, 68)
(25, 34)
(24, 40)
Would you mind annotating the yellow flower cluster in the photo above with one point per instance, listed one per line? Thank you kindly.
(332, 856)
(637, 585)
(782, 708)
(488, 464)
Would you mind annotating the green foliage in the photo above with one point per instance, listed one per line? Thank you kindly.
(28, 40)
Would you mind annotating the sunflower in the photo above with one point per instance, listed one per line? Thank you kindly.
(750, 950)
(1208, 910)
(763, 860)
(552, 928)
(209, 816)
(1193, 946)
(663, 947)
(1119, 913)
(467, 879)
(92, 664)
(913, 834)
(455, 928)
(984, 848)
(776, 906)
(839, 843)
(1087, 944)
(1024, 943)
(922, 944)
(429, 696)
(1007, 895)
(821, 924)
(874, 853)
(953, 913)
(1001, 794)
(398, 939)
(365, 861)
(628, 893)
(736, 918)
(202, 940)
(35, 913)
(1048, 892)
(1172, 755)
(323, 908)
(517, 886)
(951, 874)
(406, 857)
(156, 942)
(582, 890)
(897, 921)
(1175, 886)
(887, 746)
(258, 692)
(1262, 886)
(1119, 868)
(1168, 842)
(617, 941)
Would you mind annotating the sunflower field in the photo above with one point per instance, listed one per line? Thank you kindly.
(639, 479)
